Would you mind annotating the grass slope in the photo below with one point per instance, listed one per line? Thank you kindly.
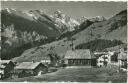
(79, 75)
(99, 30)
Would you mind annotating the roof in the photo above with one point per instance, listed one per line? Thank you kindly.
(27, 65)
(16, 71)
(3, 63)
(79, 54)
(122, 56)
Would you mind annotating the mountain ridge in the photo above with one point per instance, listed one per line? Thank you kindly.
(95, 31)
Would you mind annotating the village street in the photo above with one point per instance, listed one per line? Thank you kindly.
(80, 75)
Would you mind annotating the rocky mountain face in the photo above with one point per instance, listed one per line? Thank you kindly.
(30, 21)
(64, 22)
(102, 34)
(98, 19)
(93, 19)
(116, 26)
(38, 21)
(19, 28)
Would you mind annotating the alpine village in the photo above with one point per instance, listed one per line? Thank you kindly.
(36, 46)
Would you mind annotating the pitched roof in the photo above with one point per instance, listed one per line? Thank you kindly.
(79, 54)
(27, 65)
(3, 63)
(16, 71)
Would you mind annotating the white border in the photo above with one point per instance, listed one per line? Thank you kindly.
(74, 1)
(68, 0)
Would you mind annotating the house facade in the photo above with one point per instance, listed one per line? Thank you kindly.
(29, 69)
(106, 58)
(5, 67)
(122, 59)
(111, 58)
(100, 61)
(80, 58)
(103, 59)
(46, 60)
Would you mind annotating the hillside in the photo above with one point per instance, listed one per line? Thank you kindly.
(29, 22)
(23, 30)
(112, 29)
(103, 75)
(19, 28)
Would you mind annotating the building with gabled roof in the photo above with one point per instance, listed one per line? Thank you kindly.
(5, 67)
(122, 59)
(27, 65)
(82, 57)
(46, 60)
(122, 56)
(29, 69)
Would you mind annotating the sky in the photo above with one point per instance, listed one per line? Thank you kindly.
(73, 9)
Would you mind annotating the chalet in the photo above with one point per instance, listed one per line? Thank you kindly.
(5, 67)
(29, 69)
(122, 59)
(46, 60)
(103, 58)
(82, 57)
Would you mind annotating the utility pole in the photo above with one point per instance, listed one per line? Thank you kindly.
(72, 43)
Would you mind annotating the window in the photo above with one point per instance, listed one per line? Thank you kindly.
(105, 57)
(81, 61)
(89, 62)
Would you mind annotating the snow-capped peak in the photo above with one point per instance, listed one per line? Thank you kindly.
(8, 10)
(29, 14)
(98, 19)
(59, 14)
(13, 9)
(63, 20)
(82, 19)
(74, 21)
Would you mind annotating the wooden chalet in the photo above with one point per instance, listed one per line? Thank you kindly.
(29, 69)
(83, 57)
(5, 67)
(46, 60)
(122, 59)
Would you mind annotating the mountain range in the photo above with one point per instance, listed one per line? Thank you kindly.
(58, 32)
